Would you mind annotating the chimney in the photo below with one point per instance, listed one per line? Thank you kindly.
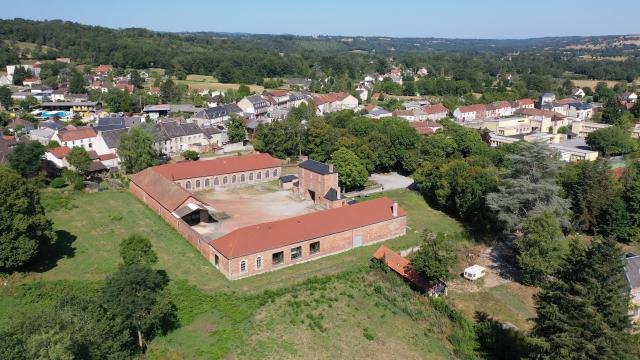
(331, 168)
(394, 209)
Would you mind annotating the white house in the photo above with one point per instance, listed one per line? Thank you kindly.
(58, 156)
(581, 111)
(255, 105)
(72, 137)
(326, 103)
(470, 113)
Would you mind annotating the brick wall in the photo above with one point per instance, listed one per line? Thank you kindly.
(320, 184)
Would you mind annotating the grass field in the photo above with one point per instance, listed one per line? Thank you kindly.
(210, 82)
(321, 309)
(593, 83)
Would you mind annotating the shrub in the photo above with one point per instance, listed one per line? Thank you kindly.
(58, 183)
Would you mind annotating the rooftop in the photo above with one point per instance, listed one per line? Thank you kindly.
(220, 166)
(316, 167)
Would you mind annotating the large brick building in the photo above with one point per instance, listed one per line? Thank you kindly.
(267, 246)
(319, 182)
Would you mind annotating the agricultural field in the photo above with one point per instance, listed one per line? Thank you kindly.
(210, 82)
(334, 307)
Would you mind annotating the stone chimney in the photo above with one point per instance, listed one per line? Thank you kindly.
(331, 168)
(394, 209)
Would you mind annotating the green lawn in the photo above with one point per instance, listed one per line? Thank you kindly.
(220, 318)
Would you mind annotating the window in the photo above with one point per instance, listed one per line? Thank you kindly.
(275, 173)
(277, 258)
(243, 266)
(216, 182)
(188, 185)
(314, 247)
(233, 179)
(250, 176)
(216, 260)
(259, 175)
(296, 252)
(197, 184)
(259, 262)
(207, 182)
(224, 180)
(266, 174)
(242, 178)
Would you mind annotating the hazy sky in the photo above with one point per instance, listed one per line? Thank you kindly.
(419, 18)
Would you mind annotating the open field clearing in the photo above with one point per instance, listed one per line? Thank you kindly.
(211, 83)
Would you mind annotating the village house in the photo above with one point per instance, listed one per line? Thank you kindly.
(107, 143)
(376, 112)
(301, 84)
(20, 126)
(435, 112)
(524, 104)
(470, 113)
(41, 135)
(76, 137)
(103, 70)
(58, 156)
(580, 111)
(584, 128)
(254, 105)
(210, 116)
(178, 136)
(547, 98)
(427, 127)
(327, 103)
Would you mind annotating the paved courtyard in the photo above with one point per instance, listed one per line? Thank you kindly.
(392, 181)
(254, 205)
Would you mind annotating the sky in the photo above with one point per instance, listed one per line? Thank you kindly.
(495, 19)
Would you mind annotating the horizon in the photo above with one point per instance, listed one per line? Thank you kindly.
(499, 18)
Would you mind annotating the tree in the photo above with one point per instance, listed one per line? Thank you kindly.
(5, 97)
(136, 79)
(590, 187)
(78, 84)
(52, 144)
(27, 158)
(538, 251)
(611, 141)
(135, 293)
(169, 92)
(80, 160)
(236, 129)
(352, 173)
(582, 312)
(435, 257)
(24, 229)
(20, 73)
(528, 188)
(136, 150)
(137, 250)
(190, 155)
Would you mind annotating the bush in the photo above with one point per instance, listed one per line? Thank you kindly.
(190, 155)
(58, 183)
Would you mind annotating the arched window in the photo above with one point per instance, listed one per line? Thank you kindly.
(188, 185)
(243, 266)
(224, 180)
(197, 184)
(216, 182)
(266, 174)
(207, 183)
(233, 179)
(259, 262)
(242, 178)
(250, 176)
(259, 175)
(275, 173)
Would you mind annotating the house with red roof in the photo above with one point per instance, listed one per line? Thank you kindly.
(103, 69)
(72, 137)
(58, 156)
(470, 113)
(327, 103)
(435, 112)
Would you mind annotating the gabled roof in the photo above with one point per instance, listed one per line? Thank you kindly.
(400, 265)
(472, 108)
(76, 134)
(161, 189)
(112, 138)
(60, 152)
(257, 238)
(221, 166)
(213, 112)
(257, 100)
(332, 195)
(233, 108)
(435, 109)
(316, 167)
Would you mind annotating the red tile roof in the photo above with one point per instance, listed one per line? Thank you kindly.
(166, 192)
(271, 235)
(472, 108)
(76, 134)
(404, 113)
(60, 152)
(109, 156)
(525, 102)
(400, 265)
(321, 99)
(278, 93)
(425, 127)
(104, 68)
(567, 101)
(435, 109)
(227, 165)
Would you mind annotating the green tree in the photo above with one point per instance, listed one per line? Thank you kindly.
(78, 84)
(80, 160)
(352, 173)
(435, 257)
(137, 250)
(19, 74)
(236, 129)
(538, 250)
(528, 188)
(169, 92)
(613, 112)
(190, 155)
(582, 312)
(136, 150)
(53, 144)
(612, 141)
(5, 97)
(136, 79)
(24, 228)
(135, 293)
(27, 158)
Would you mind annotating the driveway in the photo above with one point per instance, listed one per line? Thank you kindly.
(392, 181)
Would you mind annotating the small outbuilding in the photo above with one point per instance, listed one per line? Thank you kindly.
(287, 182)
(474, 272)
